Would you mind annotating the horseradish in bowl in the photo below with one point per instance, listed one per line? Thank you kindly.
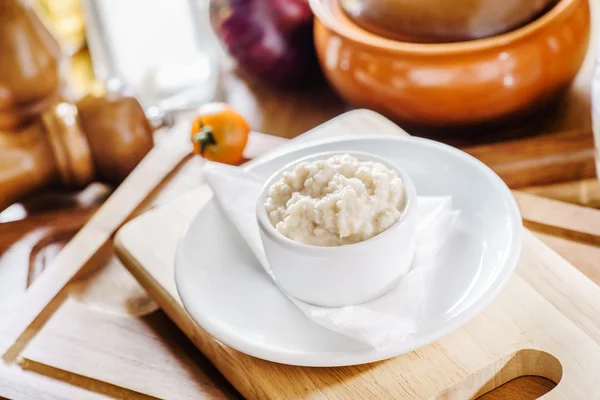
(338, 228)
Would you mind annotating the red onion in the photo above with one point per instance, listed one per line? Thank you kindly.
(269, 39)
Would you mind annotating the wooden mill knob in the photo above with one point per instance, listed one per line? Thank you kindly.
(97, 138)
(31, 66)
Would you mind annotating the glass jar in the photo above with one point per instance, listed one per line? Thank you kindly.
(163, 51)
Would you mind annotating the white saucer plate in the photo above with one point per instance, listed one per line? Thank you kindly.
(226, 291)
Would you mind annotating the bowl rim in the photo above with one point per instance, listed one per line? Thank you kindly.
(410, 204)
(324, 15)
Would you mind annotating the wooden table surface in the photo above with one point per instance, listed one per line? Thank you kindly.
(53, 218)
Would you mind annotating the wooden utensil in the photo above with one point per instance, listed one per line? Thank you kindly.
(439, 21)
(545, 322)
(100, 138)
(32, 64)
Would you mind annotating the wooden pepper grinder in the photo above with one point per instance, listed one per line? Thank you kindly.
(31, 66)
(97, 138)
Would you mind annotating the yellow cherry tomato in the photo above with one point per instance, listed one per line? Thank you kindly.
(219, 133)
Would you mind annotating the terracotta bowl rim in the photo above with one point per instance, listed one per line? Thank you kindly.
(325, 16)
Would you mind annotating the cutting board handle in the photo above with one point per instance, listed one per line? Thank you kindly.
(525, 362)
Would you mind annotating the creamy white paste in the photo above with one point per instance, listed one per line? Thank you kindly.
(335, 201)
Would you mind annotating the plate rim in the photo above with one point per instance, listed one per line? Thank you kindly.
(335, 359)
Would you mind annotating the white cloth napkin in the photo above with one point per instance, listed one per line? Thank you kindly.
(390, 318)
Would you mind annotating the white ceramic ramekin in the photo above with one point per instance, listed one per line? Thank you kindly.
(341, 275)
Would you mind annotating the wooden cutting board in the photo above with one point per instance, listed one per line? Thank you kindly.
(546, 321)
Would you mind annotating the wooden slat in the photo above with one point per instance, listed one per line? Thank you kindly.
(583, 256)
(545, 159)
(558, 218)
(585, 192)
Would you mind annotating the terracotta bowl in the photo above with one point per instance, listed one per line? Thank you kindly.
(442, 20)
(453, 83)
